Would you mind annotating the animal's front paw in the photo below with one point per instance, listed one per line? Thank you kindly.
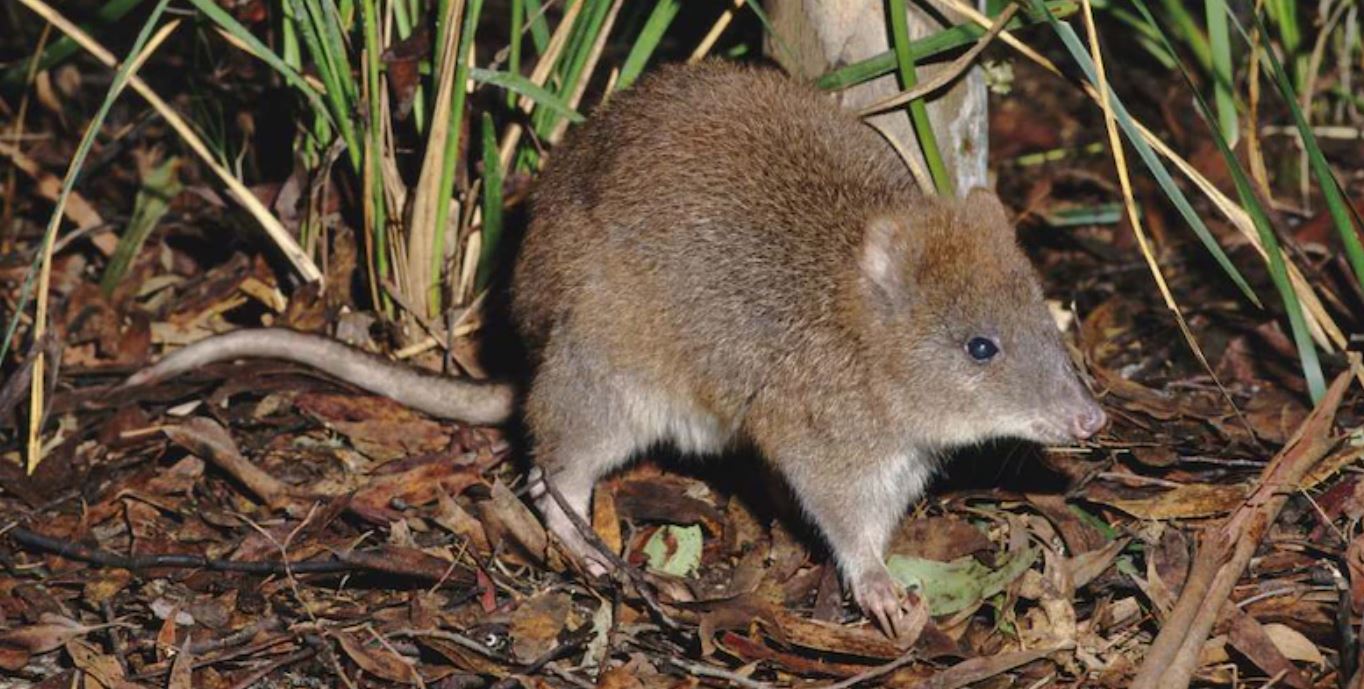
(885, 601)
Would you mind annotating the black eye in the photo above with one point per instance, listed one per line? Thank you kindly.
(982, 348)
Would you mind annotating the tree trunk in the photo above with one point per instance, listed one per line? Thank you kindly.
(826, 34)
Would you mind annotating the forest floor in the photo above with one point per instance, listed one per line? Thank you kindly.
(256, 524)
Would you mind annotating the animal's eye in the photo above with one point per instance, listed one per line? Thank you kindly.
(982, 349)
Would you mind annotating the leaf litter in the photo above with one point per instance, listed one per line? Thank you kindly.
(256, 522)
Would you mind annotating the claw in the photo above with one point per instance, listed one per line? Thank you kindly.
(885, 601)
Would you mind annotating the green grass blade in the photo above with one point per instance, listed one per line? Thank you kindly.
(584, 34)
(539, 26)
(518, 23)
(1330, 188)
(468, 27)
(64, 47)
(161, 184)
(262, 52)
(1278, 271)
(1190, 32)
(1080, 54)
(647, 42)
(918, 111)
(324, 61)
(1220, 44)
(525, 87)
(492, 205)
(929, 47)
(92, 130)
(1284, 14)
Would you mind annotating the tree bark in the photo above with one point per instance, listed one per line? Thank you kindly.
(821, 35)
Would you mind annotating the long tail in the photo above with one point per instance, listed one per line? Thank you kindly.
(447, 398)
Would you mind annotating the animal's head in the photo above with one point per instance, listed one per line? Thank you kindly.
(954, 317)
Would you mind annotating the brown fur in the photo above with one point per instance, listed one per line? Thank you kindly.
(723, 254)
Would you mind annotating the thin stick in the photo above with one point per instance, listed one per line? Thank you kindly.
(719, 673)
(585, 530)
(703, 48)
(877, 671)
(1173, 656)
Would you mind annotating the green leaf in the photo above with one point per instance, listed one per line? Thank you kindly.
(957, 585)
(654, 29)
(492, 204)
(674, 549)
(1220, 44)
(923, 49)
(1336, 204)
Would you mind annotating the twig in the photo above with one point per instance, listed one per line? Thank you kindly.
(877, 671)
(585, 530)
(75, 551)
(251, 678)
(1225, 552)
(457, 639)
(704, 670)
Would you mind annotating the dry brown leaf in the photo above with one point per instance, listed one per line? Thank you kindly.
(416, 486)
(182, 671)
(835, 638)
(51, 633)
(1247, 636)
(605, 520)
(1189, 501)
(1294, 644)
(100, 669)
(980, 669)
(378, 660)
(508, 521)
(938, 538)
(377, 426)
(537, 622)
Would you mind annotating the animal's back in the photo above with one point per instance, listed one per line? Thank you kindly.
(701, 223)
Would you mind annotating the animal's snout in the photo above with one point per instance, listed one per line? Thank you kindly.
(1088, 421)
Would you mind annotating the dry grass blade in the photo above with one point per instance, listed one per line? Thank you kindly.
(539, 76)
(426, 201)
(1134, 218)
(945, 76)
(703, 48)
(127, 74)
(558, 133)
(272, 226)
(1320, 322)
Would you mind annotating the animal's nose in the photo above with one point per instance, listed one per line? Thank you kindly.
(1088, 421)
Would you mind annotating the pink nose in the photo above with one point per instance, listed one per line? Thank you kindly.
(1088, 422)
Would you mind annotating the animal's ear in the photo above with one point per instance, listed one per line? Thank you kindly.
(982, 208)
(884, 254)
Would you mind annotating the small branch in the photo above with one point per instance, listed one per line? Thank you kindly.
(703, 670)
(75, 551)
(1225, 552)
(873, 673)
(585, 530)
